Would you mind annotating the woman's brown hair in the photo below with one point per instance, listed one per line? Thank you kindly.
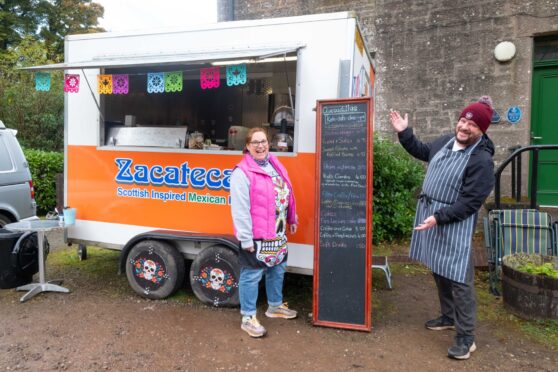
(250, 134)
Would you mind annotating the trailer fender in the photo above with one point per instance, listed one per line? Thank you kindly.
(229, 241)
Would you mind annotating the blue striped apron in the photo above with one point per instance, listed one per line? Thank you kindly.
(445, 249)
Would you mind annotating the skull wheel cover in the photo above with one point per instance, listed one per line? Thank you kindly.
(218, 282)
(149, 270)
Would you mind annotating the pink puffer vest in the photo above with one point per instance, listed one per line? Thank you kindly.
(262, 196)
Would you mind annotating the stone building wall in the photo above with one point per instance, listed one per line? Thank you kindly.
(433, 57)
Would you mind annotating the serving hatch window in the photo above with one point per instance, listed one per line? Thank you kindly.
(215, 118)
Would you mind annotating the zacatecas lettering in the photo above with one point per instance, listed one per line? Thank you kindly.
(171, 175)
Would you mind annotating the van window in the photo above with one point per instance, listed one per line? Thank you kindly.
(196, 118)
(6, 163)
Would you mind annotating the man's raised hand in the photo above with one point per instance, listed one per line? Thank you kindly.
(397, 122)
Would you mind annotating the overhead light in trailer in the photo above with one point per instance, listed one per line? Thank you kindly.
(264, 60)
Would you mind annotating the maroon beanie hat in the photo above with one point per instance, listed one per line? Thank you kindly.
(480, 112)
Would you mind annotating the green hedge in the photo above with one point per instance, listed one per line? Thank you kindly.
(397, 177)
(44, 166)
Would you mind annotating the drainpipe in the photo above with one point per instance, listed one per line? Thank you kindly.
(225, 10)
(231, 11)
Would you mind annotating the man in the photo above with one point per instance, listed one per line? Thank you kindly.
(459, 177)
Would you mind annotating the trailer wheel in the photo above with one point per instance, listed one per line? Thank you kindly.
(154, 269)
(214, 276)
(82, 252)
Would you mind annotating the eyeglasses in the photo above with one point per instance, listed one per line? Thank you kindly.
(256, 143)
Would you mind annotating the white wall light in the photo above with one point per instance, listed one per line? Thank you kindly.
(504, 51)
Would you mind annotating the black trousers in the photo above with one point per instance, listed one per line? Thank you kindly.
(458, 302)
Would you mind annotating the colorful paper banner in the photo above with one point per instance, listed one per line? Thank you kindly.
(42, 81)
(104, 85)
(236, 75)
(210, 78)
(71, 83)
(173, 81)
(155, 82)
(120, 84)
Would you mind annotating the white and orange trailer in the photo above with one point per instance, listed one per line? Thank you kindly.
(148, 171)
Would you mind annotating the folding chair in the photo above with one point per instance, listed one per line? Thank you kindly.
(381, 262)
(526, 231)
(511, 231)
(490, 239)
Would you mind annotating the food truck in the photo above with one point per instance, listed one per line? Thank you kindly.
(155, 122)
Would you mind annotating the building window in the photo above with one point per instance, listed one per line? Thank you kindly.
(546, 48)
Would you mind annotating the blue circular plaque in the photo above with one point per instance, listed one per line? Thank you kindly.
(514, 114)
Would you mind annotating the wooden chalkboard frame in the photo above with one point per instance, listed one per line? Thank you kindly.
(367, 324)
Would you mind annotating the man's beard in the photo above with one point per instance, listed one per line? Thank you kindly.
(469, 141)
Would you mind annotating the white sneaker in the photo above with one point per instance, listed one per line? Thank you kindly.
(281, 311)
(252, 326)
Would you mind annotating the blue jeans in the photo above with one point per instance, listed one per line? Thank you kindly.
(248, 286)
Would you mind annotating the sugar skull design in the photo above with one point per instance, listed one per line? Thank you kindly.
(149, 270)
(272, 252)
(281, 204)
(217, 279)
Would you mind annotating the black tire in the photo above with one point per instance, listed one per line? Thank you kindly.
(82, 252)
(25, 254)
(4, 220)
(13, 275)
(154, 269)
(9, 279)
(220, 291)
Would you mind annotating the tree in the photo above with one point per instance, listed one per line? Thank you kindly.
(66, 17)
(38, 116)
(48, 21)
(17, 19)
(32, 33)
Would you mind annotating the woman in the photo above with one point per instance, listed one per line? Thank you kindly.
(262, 204)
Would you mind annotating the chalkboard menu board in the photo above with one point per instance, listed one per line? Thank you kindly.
(343, 249)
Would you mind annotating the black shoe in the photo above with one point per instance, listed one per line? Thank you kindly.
(462, 349)
(439, 324)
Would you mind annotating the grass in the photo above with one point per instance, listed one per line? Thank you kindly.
(98, 272)
(397, 247)
(546, 332)
(99, 261)
(408, 269)
(491, 308)
(184, 295)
